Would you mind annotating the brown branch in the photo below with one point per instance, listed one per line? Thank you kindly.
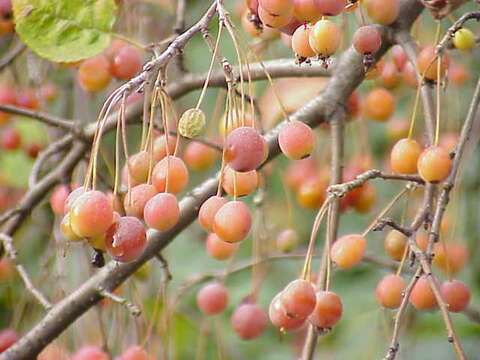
(46, 118)
(12, 55)
(178, 28)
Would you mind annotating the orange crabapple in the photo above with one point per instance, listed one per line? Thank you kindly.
(273, 20)
(306, 10)
(383, 12)
(367, 39)
(422, 296)
(395, 244)
(389, 291)
(126, 62)
(379, 104)
(244, 183)
(434, 164)
(456, 294)
(300, 43)
(126, 239)
(219, 249)
(162, 212)
(170, 174)
(390, 77)
(135, 199)
(298, 298)
(279, 318)
(450, 257)
(232, 222)
(404, 156)
(324, 38)
(330, 7)
(328, 310)
(312, 192)
(296, 140)
(277, 7)
(427, 63)
(199, 156)
(287, 240)
(94, 73)
(208, 210)
(348, 250)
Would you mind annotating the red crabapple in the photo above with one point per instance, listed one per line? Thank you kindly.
(348, 250)
(135, 200)
(311, 193)
(298, 298)
(232, 222)
(330, 7)
(245, 149)
(328, 310)
(306, 10)
(160, 147)
(199, 156)
(139, 165)
(170, 175)
(126, 63)
(126, 239)
(8, 337)
(427, 63)
(274, 21)
(279, 317)
(456, 294)
(249, 321)
(367, 39)
(296, 140)
(450, 257)
(208, 210)
(212, 298)
(10, 139)
(162, 212)
(135, 352)
(399, 57)
(91, 214)
(277, 7)
(58, 197)
(219, 249)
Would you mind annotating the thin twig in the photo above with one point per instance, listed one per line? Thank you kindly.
(12, 254)
(132, 308)
(12, 55)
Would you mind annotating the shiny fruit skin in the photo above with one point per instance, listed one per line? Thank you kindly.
(330, 7)
(389, 291)
(464, 39)
(367, 39)
(277, 7)
(306, 10)
(395, 244)
(174, 170)
(312, 192)
(94, 74)
(422, 296)
(328, 310)
(208, 210)
(325, 38)
(274, 21)
(296, 140)
(212, 298)
(219, 249)
(126, 239)
(249, 321)
(383, 12)
(246, 182)
(139, 164)
(434, 164)
(428, 68)
(379, 104)
(162, 212)
(126, 63)
(135, 200)
(300, 43)
(91, 214)
(245, 149)
(404, 156)
(348, 250)
(279, 318)
(199, 156)
(298, 298)
(456, 294)
(232, 222)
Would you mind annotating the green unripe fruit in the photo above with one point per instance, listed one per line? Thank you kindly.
(464, 40)
(191, 123)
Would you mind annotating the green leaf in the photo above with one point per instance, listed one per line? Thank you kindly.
(65, 30)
